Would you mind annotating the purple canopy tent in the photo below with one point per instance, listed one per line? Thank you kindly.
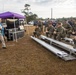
(11, 15)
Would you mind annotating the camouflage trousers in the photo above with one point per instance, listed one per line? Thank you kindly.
(49, 34)
(36, 34)
(59, 36)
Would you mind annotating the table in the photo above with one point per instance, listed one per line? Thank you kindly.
(16, 35)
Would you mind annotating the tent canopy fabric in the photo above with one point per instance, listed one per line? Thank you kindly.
(12, 15)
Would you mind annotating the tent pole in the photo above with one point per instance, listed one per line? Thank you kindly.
(27, 27)
(15, 30)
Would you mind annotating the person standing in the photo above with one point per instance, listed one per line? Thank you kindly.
(1, 36)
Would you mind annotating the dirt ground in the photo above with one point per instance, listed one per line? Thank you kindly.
(26, 57)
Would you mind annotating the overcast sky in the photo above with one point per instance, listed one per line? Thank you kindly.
(61, 8)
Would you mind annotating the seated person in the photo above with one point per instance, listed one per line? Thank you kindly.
(37, 31)
(59, 33)
(68, 29)
(50, 30)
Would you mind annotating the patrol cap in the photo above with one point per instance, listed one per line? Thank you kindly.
(60, 23)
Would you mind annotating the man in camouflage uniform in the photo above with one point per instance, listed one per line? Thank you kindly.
(50, 30)
(40, 25)
(59, 33)
(68, 29)
(46, 24)
(37, 32)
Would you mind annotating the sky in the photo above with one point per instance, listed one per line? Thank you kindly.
(60, 8)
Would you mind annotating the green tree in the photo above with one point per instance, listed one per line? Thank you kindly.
(32, 17)
(26, 11)
(29, 15)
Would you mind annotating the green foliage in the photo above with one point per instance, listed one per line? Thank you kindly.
(29, 17)
(27, 5)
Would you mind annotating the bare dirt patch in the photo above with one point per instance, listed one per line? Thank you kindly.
(26, 57)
